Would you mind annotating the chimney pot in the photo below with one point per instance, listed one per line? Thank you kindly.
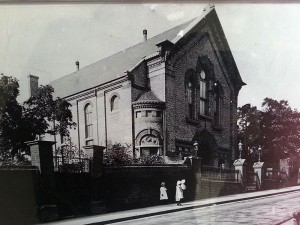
(145, 35)
(77, 65)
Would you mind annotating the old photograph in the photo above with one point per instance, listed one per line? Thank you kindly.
(154, 113)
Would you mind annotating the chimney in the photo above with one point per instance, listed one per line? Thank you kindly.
(77, 65)
(145, 35)
(33, 84)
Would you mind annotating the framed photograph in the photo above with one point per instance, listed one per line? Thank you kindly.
(149, 113)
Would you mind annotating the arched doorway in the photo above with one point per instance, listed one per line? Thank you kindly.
(207, 147)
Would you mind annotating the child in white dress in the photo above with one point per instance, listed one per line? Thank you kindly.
(163, 192)
(179, 193)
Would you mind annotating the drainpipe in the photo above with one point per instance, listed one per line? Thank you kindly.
(78, 130)
(164, 132)
(105, 119)
(97, 117)
(133, 132)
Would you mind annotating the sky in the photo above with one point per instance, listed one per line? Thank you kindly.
(45, 40)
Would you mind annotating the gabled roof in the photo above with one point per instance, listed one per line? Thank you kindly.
(148, 96)
(112, 67)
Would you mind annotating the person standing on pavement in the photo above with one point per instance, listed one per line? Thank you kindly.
(163, 193)
(183, 186)
(179, 193)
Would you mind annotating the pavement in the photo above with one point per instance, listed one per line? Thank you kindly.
(114, 217)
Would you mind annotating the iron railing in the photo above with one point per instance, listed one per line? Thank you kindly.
(73, 165)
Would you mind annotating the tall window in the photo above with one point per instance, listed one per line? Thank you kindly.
(203, 93)
(218, 96)
(88, 121)
(114, 103)
(191, 95)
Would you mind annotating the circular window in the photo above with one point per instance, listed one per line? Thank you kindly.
(202, 74)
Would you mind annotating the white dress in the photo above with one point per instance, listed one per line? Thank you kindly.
(163, 193)
(179, 193)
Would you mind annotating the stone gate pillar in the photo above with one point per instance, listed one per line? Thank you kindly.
(42, 157)
(95, 154)
(240, 165)
(259, 169)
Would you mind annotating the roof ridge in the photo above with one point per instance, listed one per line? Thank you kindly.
(132, 46)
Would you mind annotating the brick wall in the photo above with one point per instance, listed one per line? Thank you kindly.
(201, 43)
(19, 196)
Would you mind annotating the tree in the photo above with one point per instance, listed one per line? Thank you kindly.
(280, 126)
(42, 110)
(249, 131)
(21, 123)
(10, 117)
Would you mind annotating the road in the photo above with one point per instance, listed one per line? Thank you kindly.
(261, 211)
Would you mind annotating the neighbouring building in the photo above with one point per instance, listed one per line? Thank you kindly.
(162, 95)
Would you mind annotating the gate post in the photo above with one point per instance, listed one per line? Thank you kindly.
(95, 154)
(42, 157)
(259, 169)
(196, 164)
(240, 165)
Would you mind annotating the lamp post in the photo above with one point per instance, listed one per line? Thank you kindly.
(240, 149)
(259, 152)
(196, 148)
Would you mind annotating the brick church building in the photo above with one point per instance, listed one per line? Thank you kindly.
(162, 95)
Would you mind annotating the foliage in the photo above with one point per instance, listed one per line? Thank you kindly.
(121, 154)
(249, 131)
(69, 150)
(276, 128)
(150, 160)
(42, 109)
(10, 118)
(21, 123)
(280, 128)
(118, 154)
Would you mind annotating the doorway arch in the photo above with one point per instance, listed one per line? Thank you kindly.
(207, 146)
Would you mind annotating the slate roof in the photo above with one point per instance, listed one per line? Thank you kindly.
(148, 97)
(112, 67)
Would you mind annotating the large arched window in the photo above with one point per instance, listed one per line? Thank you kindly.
(191, 82)
(205, 74)
(114, 102)
(88, 121)
(218, 99)
(203, 105)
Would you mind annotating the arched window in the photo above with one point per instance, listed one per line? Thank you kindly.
(218, 99)
(203, 105)
(114, 102)
(191, 82)
(88, 121)
(205, 74)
